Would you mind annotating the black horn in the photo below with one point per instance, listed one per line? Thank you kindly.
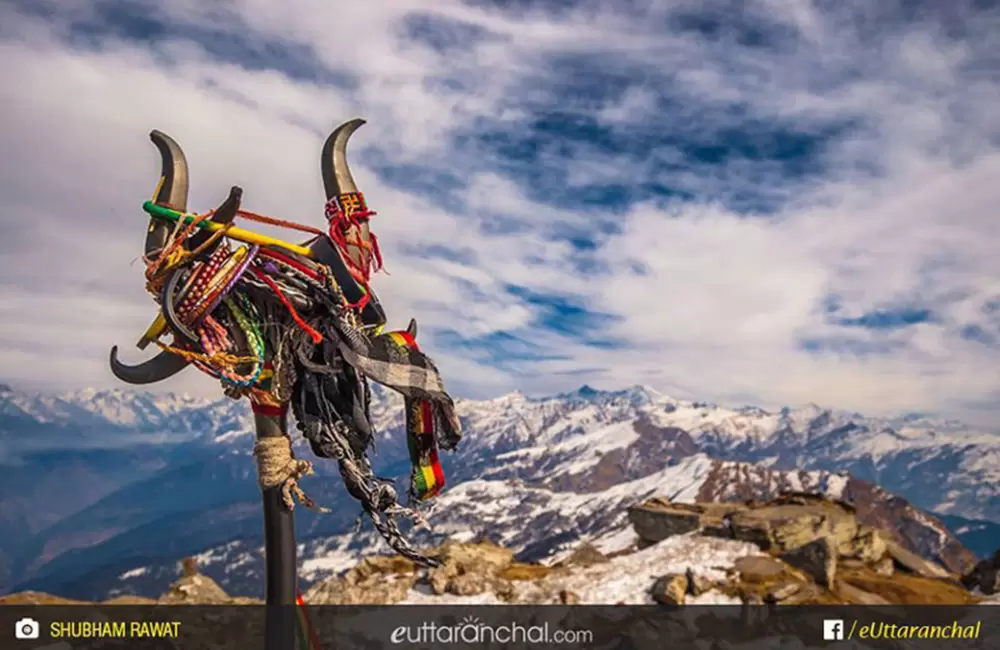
(223, 215)
(162, 366)
(337, 177)
(172, 192)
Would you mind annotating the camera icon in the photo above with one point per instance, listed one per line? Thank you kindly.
(26, 628)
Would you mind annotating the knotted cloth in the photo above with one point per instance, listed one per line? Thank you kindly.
(330, 398)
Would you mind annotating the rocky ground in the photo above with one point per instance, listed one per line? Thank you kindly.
(797, 549)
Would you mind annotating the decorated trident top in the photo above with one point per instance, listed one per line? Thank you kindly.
(291, 325)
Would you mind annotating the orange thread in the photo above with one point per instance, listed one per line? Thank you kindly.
(281, 223)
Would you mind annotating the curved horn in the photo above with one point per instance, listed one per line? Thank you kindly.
(337, 177)
(160, 367)
(224, 214)
(337, 180)
(172, 191)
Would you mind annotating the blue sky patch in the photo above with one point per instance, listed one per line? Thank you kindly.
(230, 39)
(889, 319)
(562, 314)
(497, 348)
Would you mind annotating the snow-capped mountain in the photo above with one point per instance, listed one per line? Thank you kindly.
(568, 464)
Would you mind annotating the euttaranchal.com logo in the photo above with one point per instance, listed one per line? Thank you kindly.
(472, 630)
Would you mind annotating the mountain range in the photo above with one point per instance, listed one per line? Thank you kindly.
(102, 492)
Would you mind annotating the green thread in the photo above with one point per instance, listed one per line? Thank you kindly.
(254, 339)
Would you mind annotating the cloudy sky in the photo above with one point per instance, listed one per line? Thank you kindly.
(773, 203)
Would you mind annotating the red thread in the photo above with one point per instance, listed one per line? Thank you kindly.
(298, 266)
(268, 410)
(281, 223)
(316, 336)
(341, 222)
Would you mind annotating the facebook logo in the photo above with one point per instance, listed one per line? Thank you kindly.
(833, 630)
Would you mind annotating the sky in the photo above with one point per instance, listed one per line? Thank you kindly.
(769, 203)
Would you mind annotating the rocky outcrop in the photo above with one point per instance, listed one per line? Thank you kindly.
(780, 525)
(816, 551)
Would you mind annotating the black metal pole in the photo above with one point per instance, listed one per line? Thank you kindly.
(280, 564)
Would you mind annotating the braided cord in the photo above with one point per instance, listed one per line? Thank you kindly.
(254, 339)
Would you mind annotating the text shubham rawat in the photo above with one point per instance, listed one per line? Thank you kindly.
(115, 629)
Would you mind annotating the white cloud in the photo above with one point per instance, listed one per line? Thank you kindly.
(903, 213)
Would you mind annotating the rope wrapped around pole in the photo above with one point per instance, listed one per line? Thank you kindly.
(278, 466)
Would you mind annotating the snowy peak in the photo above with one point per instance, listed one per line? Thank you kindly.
(90, 418)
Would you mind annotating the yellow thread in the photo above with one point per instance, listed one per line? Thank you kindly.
(245, 236)
(216, 359)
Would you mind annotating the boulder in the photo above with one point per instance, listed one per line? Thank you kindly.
(818, 559)
(759, 568)
(657, 519)
(913, 563)
(670, 589)
(787, 526)
(654, 521)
